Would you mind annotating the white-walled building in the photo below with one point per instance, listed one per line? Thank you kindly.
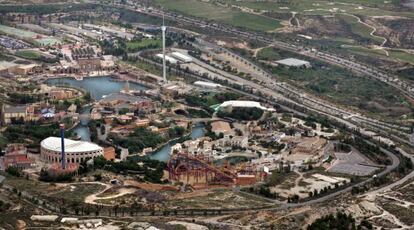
(293, 62)
(76, 151)
(208, 85)
(182, 57)
(169, 59)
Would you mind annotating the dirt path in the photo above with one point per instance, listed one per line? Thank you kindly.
(294, 18)
(297, 180)
(91, 199)
(256, 51)
(374, 29)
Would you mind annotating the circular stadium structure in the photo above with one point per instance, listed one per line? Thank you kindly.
(75, 151)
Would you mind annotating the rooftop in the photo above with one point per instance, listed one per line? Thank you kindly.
(246, 104)
(121, 97)
(207, 84)
(15, 109)
(293, 62)
(220, 127)
(71, 146)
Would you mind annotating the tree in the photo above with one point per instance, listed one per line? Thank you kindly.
(87, 97)
(341, 221)
(14, 171)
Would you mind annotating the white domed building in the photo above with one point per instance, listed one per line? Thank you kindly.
(75, 151)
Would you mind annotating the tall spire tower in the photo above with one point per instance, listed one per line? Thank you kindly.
(164, 67)
(62, 139)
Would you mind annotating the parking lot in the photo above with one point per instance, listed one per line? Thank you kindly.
(11, 43)
(353, 163)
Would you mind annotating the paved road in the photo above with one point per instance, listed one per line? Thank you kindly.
(396, 183)
(393, 81)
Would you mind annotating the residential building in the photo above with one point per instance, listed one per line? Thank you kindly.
(16, 156)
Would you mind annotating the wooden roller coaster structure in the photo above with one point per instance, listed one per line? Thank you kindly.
(183, 166)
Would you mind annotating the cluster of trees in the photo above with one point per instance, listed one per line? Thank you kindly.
(198, 113)
(121, 47)
(310, 124)
(176, 131)
(324, 190)
(22, 98)
(241, 113)
(113, 47)
(93, 125)
(152, 170)
(340, 221)
(198, 101)
(273, 145)
(206, 101)
(4, 206)
(405, 166)
(212, 134)
(33, 131)
(63, 177)
(263, 191)
(325, 123)
(341, 147)
(293, 199)
(40, 9)
(14, 171)
(138, 140)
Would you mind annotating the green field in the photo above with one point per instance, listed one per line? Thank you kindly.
(221, 14)
(359, 28)
(318, 7)
(29, 54)
(17, 32)
(268, 54)
(49, 41)
(134, 46)
(341, 86)
(396, 55)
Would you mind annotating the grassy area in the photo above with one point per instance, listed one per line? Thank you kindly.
(71, 193)
(217, 199)
(22, 184)
(221, 14)
(285, 180)
(404, 214)
(397, 55)
(3, 141)
(7, 58)
(359, 28)
(268, 54)
(77, 192)
(17, 32)
(320, 7)
(341, 86)
(136, 45)
(29, 54)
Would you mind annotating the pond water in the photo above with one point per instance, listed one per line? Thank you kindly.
(163, 154)
(101, 86)
(97, 86)
(82, 128)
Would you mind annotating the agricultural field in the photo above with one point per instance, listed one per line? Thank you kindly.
(17, 32)
(134, 46)
(29, 36)
(222, 14)
(29, 54)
